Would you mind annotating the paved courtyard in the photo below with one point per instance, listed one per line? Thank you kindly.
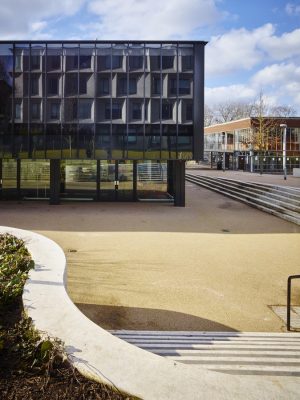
(215, 265)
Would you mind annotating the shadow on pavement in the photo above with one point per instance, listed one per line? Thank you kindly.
(118, 317)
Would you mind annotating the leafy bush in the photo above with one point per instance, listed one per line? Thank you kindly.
(15, 264)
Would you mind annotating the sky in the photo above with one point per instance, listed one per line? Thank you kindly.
(253, 46)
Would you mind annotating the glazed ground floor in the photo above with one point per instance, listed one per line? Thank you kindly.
(93, 180)
(271, 162)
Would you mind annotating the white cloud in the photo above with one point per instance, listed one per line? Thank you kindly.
(280, 84)
(21, 19)
(277, 74)
(235, 50)
(282, 79)
(219, 94)
(38, 26)
(241, 49)
(292, 9)
(282, 47)
(151, 19)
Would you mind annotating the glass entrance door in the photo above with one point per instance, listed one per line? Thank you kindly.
(108, 180)
(125, 181)
(35, 179)
(9, 179)
(78, 179)
(116, 180)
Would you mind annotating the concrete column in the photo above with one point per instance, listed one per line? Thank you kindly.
(198, 106)
(179, 183)
(1, 183)
(19, 178)
(54, 182)
(170, 187)
(134, 181)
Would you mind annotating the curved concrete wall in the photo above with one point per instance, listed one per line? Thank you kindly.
(105, 358)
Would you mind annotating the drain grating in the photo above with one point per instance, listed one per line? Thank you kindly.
(281, 313)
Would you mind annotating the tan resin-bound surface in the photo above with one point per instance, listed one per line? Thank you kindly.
(215, 265)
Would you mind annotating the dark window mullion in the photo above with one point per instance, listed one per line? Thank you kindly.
(95, 92)
(13, 105)
(29, 102)
(161, 91)
(177, 105)
(111, 77)
(125, 150)
(45, 94)
(78, 91)
(144, 113)
(62, 105)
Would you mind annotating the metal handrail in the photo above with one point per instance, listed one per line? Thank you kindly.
(288, 309)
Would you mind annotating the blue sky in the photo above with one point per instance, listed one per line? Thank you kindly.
(253, 45)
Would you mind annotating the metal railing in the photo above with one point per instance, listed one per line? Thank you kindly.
(289, 291)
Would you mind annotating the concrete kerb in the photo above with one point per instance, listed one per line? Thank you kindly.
(108, 359)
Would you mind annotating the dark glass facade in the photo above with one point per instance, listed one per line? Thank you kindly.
(101, 100)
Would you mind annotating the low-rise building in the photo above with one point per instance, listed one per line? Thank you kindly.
(253, 144)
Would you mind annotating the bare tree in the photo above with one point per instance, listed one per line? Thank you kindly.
(265, 130)
(209, 116)
(283, 111)
(227, 111)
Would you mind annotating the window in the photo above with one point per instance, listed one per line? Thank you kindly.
(72, 84)
(123, 86)
(136, 62)
(187, 63)
(35, 62)
(167, 62)
(156, 86)
(113, 62)
(184, 86)
(74, 110)
(34, 85)
(54, 111)
(18, 59)
(116, 111)
(107, 111)
(53, 62)
(35, 110)
(72, 62)
(83, 84)
(189, 112)
(167, 110)
(104, 86)
(136, 111)
(18, 109)
(117, 62)
(173, 86)
(132, 86)
(85, 62)
(85, 108)
(53, 86)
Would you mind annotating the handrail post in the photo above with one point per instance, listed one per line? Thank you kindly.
(288, 308)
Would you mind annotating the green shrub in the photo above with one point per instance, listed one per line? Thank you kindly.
(15, 264)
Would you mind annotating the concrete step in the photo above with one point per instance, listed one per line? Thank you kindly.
(276, 191)
(286, 203)
(287, 191)
(244, 193)
(250, 200)
(252, 353)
